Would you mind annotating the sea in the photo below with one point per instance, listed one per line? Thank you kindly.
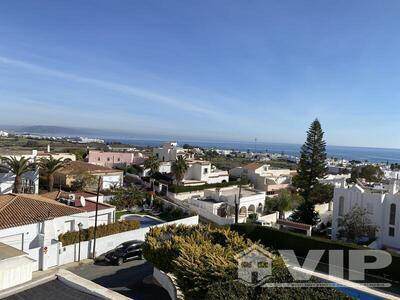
(374, 155)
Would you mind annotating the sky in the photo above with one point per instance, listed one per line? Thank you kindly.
(228, 70)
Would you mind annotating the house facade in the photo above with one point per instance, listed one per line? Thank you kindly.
(169, 152)
(31, 221)
(263, 177)
(201, 172)
(114, 159)
(209, 206)
(382, 207)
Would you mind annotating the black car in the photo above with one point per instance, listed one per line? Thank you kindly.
(126, 251)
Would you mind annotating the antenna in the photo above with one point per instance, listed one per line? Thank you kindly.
(255, 145)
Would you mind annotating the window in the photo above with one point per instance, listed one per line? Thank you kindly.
(205, 170)
(341, 206)
(391, 231)
(119, 159)
(392, 216)
(98, 159)
(108, 159)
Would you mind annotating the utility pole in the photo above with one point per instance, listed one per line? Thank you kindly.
(95, 218)
(237, 201)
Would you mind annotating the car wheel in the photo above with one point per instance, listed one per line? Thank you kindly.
(120, 261)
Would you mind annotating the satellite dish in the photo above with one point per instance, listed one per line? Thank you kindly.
(83, 201)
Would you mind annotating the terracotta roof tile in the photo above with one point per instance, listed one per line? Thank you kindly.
(24, 209)
(253, 166)
(79, 167)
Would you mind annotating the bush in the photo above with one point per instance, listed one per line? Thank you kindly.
(72, 237)
(301, 244)
(182, 189)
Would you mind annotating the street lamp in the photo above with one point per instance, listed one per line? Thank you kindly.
(80, 225)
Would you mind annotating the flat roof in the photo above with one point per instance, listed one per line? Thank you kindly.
(53, 289)
(7, 251)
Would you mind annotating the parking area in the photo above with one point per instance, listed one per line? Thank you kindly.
(126, 279)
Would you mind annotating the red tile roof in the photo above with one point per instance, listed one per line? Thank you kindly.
(79, 167)
(24, 209)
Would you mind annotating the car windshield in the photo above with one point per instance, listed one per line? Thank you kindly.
(123, 246)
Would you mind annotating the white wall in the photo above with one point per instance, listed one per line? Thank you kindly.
(14, 271)
(70, 253)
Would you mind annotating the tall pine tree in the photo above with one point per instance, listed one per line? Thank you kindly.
(312, 163)
(312, 166)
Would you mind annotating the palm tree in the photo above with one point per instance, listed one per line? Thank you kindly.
(153, 164)
(179, 168)
(49, 166)
(18, 167)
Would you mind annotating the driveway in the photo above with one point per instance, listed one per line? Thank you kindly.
(126, 279)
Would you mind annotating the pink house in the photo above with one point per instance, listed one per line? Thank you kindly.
(112, 159)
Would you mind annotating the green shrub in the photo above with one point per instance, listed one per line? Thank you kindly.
(301, 244)
(182, 189)
(72, 237)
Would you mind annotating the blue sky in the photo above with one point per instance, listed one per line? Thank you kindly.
(232, 70)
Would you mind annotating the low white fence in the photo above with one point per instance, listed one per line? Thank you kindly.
(271, 218)
(35, 255)
(212, 217)
(185, 195)
(70, 253)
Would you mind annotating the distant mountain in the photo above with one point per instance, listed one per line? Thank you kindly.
(52, 130)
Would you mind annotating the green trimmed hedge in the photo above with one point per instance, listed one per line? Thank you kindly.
(301, 244)
(72, 237)
(182, 189)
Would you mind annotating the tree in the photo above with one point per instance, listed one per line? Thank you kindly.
(356, 225)
(84, 181)
(226, 210)
(305, 213)
(128, 198)
(153, 164)
(18, 167)
(179, 168)
(285, 201)
(370, 173)
(312, 163)
(48, 167)
(321, 193)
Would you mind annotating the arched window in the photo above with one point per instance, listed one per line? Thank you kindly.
(392, 216)
(341, 206)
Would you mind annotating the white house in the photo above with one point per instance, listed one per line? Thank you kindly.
(382, 208)
(3, 133)
(32, 223)
(208, 206)
(169, 152)
(263, 177)
(30, 180)
(335, 180)
(201, 172)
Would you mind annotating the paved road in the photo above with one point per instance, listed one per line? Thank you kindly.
(126, 279)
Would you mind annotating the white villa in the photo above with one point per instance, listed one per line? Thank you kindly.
(3, 133)
(209, 206)
(382, 206)
(199, 171)
(169, 152)
(263, 177)
(32, 223)
(335, 180)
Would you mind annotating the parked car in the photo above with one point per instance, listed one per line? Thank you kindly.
(263, 223)
(126, 251)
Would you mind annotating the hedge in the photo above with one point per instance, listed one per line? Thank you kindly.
(191, 188)
(72, 237)
(301, 244)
